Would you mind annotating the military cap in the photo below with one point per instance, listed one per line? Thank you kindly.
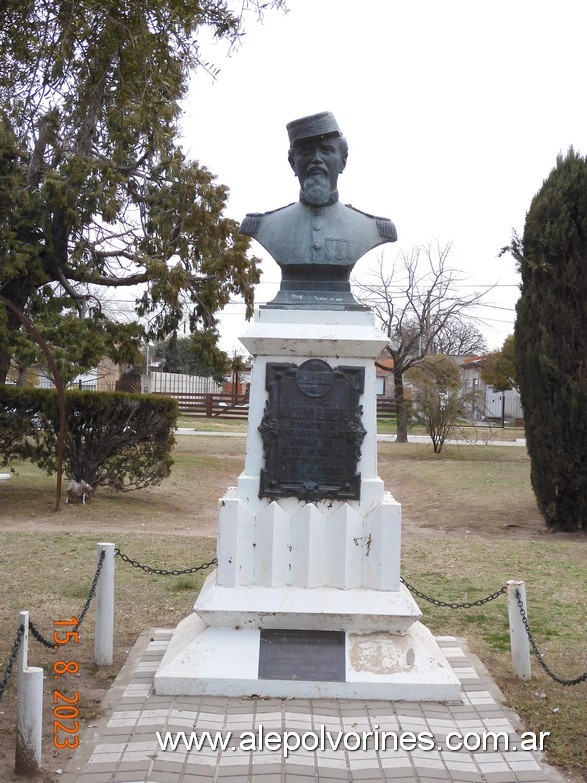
(321, 124)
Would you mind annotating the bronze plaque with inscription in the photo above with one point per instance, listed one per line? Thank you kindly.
(302, 655)
(312, 431)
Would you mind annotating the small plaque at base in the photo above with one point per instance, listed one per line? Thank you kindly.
(302, 655)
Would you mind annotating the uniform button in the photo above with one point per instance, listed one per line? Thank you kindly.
(317, 245)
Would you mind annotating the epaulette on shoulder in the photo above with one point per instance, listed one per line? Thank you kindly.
(385, 227)
(251, 223)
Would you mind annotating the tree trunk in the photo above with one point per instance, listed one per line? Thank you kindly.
(4, 365)
(400, 407)
(17, 293)
(12, 325)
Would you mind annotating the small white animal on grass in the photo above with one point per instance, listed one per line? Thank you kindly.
(78, 489)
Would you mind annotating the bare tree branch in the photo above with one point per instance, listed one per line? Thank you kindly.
(418, 304)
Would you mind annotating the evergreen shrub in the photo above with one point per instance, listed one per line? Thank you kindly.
(122, 441)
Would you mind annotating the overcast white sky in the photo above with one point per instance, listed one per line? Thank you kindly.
(454, 112)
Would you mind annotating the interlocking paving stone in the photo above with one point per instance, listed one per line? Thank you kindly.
(123, 747)
(329, 773)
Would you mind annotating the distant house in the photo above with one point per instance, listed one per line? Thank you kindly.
(385, 388)
(384, 376)
(486, 403)
(104, 377)
(238, 384)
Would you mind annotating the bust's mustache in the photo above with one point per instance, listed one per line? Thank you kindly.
(317, 169)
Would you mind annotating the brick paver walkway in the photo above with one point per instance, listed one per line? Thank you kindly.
(123, 746)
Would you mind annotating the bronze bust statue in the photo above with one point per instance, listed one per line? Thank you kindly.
(317, 240)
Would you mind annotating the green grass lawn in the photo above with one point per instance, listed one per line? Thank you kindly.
(213, 424)
(386, 425)
(467, 495)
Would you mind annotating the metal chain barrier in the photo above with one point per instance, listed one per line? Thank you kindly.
(541, 661)
(452, 605)
(92, 589)
(203, 566)
(163, 571)
(11, 660)
(39, 636)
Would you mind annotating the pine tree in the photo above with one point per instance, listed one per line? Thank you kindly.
(95, 192)
(551, 342)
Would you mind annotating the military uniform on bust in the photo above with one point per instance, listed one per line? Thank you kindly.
(317, 240)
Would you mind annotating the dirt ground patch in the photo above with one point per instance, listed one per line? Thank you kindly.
(457, 495)
(185, 504)
(439, 493)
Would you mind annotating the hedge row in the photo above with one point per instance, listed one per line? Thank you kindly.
(113, 439)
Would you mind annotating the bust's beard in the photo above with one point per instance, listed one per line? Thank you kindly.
(316, 191)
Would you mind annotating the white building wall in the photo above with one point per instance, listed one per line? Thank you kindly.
(177, 383)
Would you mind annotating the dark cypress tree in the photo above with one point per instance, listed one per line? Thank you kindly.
(551, 342)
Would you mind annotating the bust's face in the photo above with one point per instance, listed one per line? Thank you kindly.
(318, 160)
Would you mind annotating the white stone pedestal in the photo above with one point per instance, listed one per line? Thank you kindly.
(329, 565)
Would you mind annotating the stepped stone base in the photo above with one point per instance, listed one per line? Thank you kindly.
(319, 608)
(202, 659)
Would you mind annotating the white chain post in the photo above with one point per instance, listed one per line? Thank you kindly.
(104, 642)
(29, 719)
(520, 644)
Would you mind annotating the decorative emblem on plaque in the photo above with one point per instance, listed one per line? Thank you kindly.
(312, 431)
(315, 378)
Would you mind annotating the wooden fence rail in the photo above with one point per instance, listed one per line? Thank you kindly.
(385, 407)
(212, 405)
(227, 406)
